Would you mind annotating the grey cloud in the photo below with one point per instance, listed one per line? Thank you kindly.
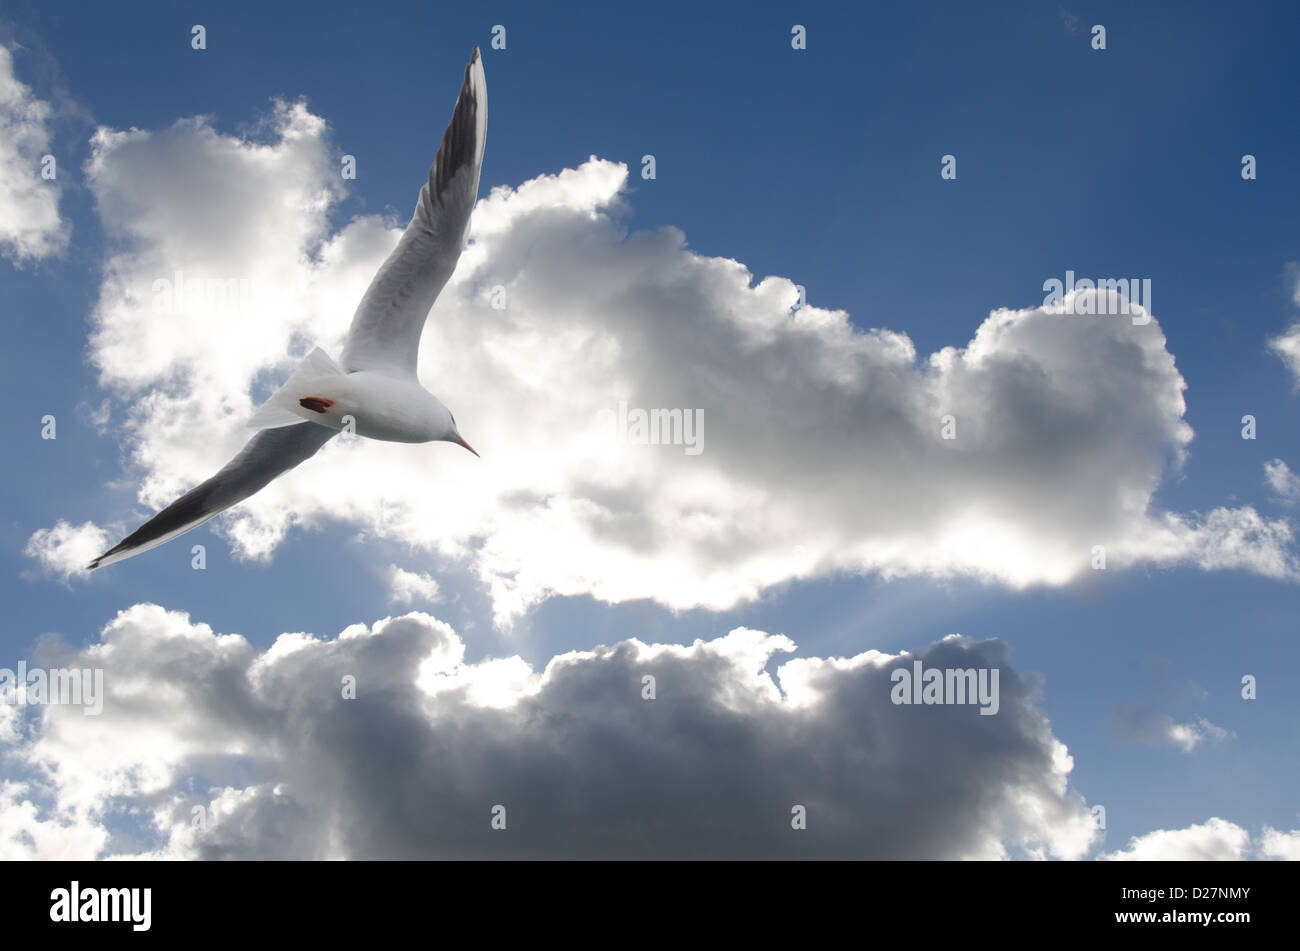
(583, 764)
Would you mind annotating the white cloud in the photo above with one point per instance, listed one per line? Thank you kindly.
(1188, 736)
(1160, 729)
(407, 587)
(284, 766)
(66, 549)
(30, 227)
(1280, 845)
(1216, 839)
(1283, 481)
(26, 835)
(822, 447)
(1287, 346)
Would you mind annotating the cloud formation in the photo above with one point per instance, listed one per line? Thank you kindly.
(1274, 844)
(1213, 840)
(64, 550)
(30, 227)
(1160, 729)
(826, 446)
(408, 587)
(1283, 481)
(209, 748)
(1287, 344)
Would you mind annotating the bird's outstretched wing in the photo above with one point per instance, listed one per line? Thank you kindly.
(265, 456)
(385, 331)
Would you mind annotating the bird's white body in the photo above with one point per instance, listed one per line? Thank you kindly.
(379, 406)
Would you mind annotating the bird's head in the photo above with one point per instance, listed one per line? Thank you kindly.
(452, 434)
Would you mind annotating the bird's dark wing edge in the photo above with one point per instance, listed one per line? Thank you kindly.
(264, 457)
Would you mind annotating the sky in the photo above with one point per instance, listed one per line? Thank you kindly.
(838, 263)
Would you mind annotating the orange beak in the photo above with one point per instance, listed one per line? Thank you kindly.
(466, 445)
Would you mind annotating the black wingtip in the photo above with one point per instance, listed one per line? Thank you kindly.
(119, 547)
(100, 560)
(469, 68)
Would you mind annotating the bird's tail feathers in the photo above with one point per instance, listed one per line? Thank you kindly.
(284, 407)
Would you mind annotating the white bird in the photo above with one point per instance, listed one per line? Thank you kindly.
(373, 389)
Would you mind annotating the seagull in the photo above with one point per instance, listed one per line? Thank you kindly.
(373, 390)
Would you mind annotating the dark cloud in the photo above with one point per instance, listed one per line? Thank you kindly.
(584, 766)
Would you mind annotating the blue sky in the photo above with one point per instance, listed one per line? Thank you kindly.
(821, 166)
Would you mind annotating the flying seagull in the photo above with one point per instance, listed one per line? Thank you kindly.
(373, 390)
